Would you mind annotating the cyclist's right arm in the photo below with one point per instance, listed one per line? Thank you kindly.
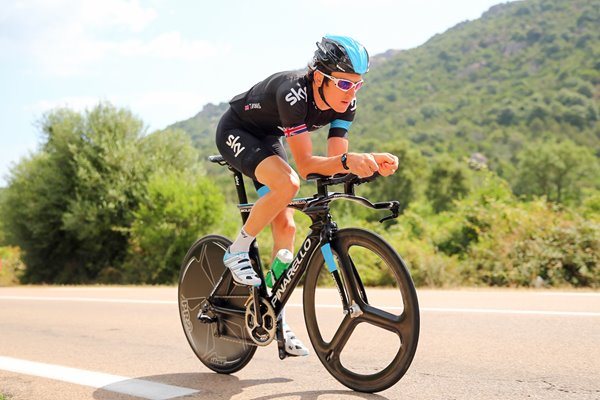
(292, 115)
(361, 164)
(336, 146)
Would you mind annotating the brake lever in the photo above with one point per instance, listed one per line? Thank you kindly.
(388, 217)
(395, 209)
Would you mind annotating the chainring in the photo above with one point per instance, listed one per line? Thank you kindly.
(264, 333)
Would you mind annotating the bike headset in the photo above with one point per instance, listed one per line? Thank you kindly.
(341, 54)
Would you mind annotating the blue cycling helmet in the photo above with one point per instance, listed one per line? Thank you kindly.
(342, 54)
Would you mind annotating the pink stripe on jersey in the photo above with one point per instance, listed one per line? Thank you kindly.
(295, 130)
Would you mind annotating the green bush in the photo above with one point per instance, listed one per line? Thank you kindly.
(427, 266)
(11, 266)
(527, 240)
(70, 205)
(558, 170)
(566, 254)
(446, 183)
(178, 210)
(590, 207)
(491, 239)
(411, 237)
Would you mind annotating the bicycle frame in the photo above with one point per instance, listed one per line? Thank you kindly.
(233, 321)
(321, 233)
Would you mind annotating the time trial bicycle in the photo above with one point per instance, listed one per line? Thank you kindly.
(225, 323)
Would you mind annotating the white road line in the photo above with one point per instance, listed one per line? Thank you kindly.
(522, 312)
(577, 294)
(478, 310)
(88, 299)
(424, 309)
(114, 383)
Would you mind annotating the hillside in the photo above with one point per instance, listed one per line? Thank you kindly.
(524, 71)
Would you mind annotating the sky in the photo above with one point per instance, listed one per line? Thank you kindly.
(165, 59)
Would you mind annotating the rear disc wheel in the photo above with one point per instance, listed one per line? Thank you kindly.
(221, 345)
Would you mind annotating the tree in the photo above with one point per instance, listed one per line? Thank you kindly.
(179, 209)
(109, 179)
(403, 185)
(36, 198)
(2, 235)
(557, 170)
(70, 206)
(447, 182)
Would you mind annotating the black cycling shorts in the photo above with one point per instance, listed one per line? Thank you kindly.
(243, 150)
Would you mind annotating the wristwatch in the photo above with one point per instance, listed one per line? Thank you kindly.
(344, 160)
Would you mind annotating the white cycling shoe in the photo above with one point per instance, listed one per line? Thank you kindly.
(293, 345)
(241, 268)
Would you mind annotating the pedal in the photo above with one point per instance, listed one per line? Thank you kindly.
(205, 318)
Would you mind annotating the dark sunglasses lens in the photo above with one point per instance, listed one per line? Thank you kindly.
(344, 84)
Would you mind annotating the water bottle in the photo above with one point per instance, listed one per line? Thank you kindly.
(282, 261)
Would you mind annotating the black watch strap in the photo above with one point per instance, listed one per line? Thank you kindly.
(344, 161)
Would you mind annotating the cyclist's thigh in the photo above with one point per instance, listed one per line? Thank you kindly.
(243, 150)
(274, 142)
(277, 174)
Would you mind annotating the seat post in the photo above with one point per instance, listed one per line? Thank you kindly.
(238, 178)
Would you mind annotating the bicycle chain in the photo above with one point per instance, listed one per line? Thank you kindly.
(249, 341)
(229, 339)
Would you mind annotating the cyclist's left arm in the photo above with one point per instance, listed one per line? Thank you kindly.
(336, 146)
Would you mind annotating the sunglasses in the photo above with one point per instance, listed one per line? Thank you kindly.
(344, 84)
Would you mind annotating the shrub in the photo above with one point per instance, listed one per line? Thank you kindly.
(179, 209)
(11, 266)
(429, 267)
(534, 239)
(69, 206)
(567, 254)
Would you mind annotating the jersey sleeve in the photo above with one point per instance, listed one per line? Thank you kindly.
(292, 107)
(340, 126)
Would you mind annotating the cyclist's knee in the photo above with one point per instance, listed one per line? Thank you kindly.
(276, 174)
(294, 183)
(288, 185)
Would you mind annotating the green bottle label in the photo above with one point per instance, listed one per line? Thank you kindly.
(269, 280)
(280, 264)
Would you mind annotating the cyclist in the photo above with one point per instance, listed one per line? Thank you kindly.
(291, 104)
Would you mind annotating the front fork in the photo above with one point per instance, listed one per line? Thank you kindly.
(352, 309)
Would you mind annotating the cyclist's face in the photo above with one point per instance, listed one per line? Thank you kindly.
(336, 97)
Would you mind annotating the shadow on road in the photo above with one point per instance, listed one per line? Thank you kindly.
(315, 394)
(208, 385)
(211, 386)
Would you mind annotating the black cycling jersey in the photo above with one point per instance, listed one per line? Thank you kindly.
(283, 104)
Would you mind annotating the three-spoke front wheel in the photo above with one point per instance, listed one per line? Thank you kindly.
(384, 323)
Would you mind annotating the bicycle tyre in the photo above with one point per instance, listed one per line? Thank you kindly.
(200, 271)
(406, 325)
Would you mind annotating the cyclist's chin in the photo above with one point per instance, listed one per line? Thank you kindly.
(341, 106)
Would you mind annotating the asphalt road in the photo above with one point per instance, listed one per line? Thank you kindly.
(100, 342)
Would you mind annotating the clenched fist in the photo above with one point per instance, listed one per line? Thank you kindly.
(388, 163)
(362, 164)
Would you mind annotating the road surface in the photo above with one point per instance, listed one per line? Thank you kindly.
(127, 343)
